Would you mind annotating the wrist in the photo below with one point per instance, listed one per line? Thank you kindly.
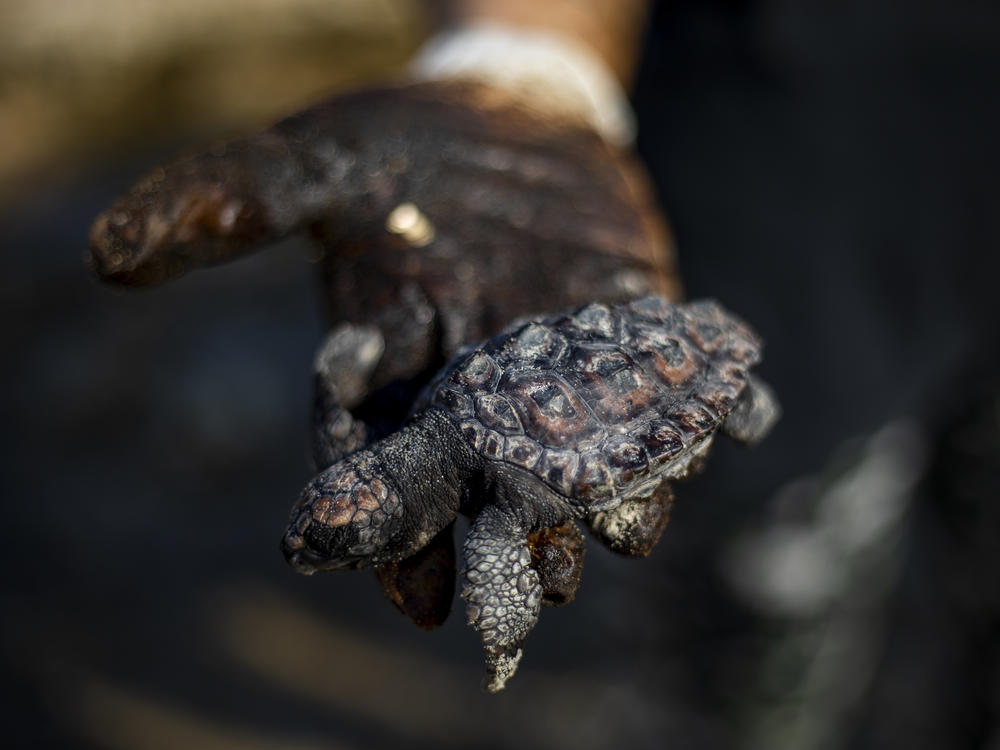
(545, 70)
(611, 29)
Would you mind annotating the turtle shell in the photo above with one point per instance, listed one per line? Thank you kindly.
(604, 400)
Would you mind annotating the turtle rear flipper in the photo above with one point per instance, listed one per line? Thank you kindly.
(635, 526)
(343, 369)
(754, 415)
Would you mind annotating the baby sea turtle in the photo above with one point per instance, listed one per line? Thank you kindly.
(580, 415)
(441, 212)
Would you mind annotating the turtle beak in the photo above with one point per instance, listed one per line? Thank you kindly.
(297, 560)
(307, 562)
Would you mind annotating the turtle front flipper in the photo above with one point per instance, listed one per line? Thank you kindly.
(635, 526)
(343, 368)
(502, 591)
(755, 413)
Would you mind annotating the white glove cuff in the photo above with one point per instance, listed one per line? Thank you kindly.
(551, 72)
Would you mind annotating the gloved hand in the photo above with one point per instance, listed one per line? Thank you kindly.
(444, 209)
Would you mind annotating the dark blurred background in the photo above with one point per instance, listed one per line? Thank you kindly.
(830, 172)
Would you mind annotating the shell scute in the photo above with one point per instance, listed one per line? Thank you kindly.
(655, 309)
(479, 371)
(733, 376)
(550, 410)
(497, 414)
(706, 334)
(474, 433)
(594, 481)
(537, 343)
(622, 396)
(718, 397)
(626, 458)
(594, 363)
(493, 445)
(693, 418)
(662, 441)
(668, 356)
(522, 451)
(558, 468)
(598, 320)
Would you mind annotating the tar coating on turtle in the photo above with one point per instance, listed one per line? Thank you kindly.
(580, 415)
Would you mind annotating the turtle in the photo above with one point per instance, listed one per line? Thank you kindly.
(441, 211)
(586, 414)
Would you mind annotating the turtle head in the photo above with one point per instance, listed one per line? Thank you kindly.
(345, 517)
(355, 513)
